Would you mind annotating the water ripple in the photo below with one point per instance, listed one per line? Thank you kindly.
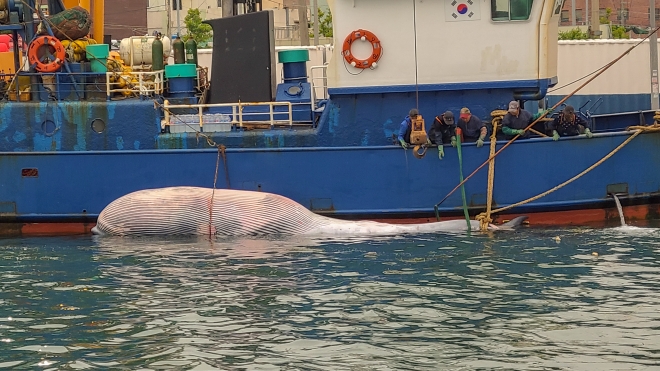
(579, 299)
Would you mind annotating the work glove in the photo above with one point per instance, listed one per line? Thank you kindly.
(520, 132)
(453, 141)
(537, 115)
(441, 152)
(480, 142)
(555, 135)
(588, 133)
(404, 145)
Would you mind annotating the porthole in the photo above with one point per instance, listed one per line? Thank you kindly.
(48, 127)
(98, 125)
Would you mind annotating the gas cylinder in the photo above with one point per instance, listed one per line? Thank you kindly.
(157, 54)
(179, 52)
(191, 51)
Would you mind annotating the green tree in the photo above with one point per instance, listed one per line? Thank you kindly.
(325, 23)
(619, 32)
(199, 31)
(574, 34)
(606, 18)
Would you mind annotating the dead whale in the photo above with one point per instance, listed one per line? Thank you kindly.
(189, 211)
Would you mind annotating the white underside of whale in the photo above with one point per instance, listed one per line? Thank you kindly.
(204, 211)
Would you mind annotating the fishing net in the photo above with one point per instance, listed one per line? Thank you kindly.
(71, 24)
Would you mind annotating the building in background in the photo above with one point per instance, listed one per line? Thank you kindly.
(624, 12)
(123, 18)
(162, 15)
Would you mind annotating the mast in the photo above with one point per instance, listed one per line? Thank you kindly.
(98, 24)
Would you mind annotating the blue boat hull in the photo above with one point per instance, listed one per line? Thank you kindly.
(349, 182)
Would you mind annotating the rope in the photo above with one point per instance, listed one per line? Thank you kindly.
(222, 153)
(460, 174)
(638, 130)
(497, 119)
(605, 68)
(415, 45)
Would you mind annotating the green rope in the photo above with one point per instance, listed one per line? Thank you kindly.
(460, 172)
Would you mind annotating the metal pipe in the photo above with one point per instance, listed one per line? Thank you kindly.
(87, 4)
(654, 60)
(573, 12)
(178, 19)
(98, 26)
(315, 9)
(68, 4)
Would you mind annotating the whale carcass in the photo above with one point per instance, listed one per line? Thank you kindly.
(224, 212)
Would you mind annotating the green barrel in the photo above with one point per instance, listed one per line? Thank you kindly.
(179, 52)
(191, 51)
(157, 54)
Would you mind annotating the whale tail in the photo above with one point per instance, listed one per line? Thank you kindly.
(513, 223)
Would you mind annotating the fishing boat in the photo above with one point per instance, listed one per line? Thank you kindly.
(74, 138)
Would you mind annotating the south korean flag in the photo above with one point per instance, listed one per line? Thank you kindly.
(462, 10)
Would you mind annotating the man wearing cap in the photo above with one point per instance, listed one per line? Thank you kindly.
(443, 131)
(406, 128)
(516, 120)
(569, 124)
(472, 127)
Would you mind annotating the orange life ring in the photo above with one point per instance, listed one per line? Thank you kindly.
(377, 49)
(46, 53)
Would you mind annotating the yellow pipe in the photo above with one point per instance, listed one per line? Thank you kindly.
(68, 4)
(98, 20)
(87, 4)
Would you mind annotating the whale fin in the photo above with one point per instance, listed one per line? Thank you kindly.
(513, 223)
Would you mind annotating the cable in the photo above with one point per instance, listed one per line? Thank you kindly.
(416, 63)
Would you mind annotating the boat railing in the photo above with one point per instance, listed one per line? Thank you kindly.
(142, 83)
(225, 116)
(39, 87)
(319, 80)
(202, 78)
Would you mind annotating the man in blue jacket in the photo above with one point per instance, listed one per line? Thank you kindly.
(406, 128)
(472, 127)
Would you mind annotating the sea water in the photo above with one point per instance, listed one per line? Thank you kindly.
(535, 299)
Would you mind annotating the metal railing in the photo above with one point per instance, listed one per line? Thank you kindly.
(235, 118)
(324, 83)
(287, 32)
(138, 83)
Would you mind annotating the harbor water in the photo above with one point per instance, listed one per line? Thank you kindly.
(534, 299)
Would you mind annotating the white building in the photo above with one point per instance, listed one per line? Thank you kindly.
(160, 15)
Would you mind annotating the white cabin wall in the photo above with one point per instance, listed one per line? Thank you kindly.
(447, 51)
(474, 50)
(392, 22)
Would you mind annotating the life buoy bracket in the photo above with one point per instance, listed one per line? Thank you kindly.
(364, 35)
(46, 54)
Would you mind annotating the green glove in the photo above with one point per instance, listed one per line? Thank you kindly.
(555, 135)
(588, 133)
(441, 152)
(403, 144)
(428, 141)
(453, 141)
(520, 131)
(537, 115)
(480, 142)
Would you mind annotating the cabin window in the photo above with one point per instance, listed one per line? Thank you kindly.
(510, 10)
